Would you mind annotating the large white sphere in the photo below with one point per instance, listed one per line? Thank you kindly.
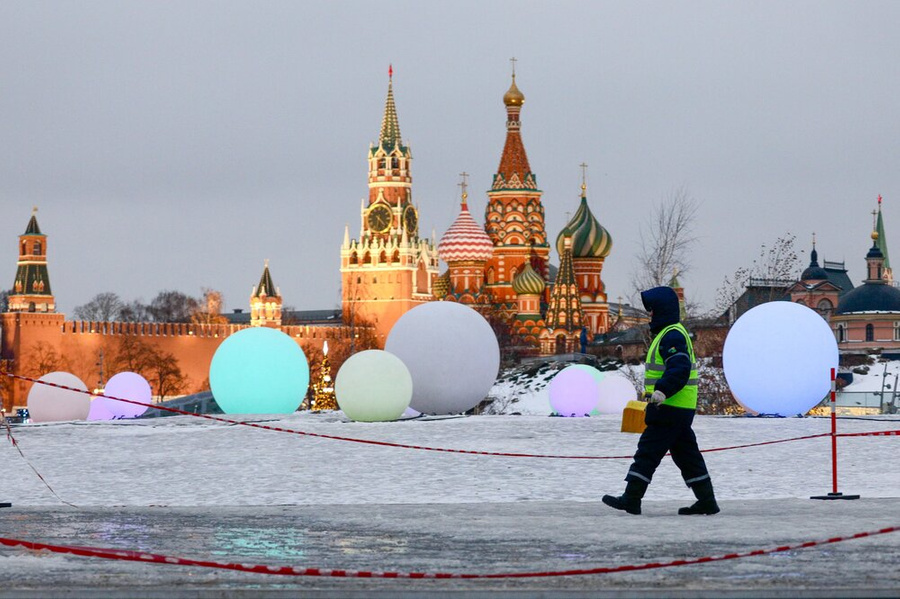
(778, 358)
(51, 404)
(451, 353)
(373, 386)
(615, 392)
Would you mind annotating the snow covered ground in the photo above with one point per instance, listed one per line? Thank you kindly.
(189, 461)
(236, 493)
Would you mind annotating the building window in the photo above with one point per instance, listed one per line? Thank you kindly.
(824, 307)
(37, 248)
(897, 331)
(842, 333)
(870, 332)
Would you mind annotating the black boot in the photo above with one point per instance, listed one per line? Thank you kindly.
(630, 500)
(706, 501)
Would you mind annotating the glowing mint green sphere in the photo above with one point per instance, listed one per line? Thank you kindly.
(373, 386)
(259, 371)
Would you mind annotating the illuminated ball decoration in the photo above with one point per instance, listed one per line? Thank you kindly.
(51, 404)
(573, 392)
(99, 410)
(259, 371)
(127, 385)
(778, 358)
(452, 355)
(615, 392)
(373, 386)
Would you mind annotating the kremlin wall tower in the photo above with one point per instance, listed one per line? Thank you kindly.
(501, 269)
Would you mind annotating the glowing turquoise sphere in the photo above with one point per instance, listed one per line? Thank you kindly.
(259, 371)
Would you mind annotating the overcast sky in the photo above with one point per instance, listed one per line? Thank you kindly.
(177, 145)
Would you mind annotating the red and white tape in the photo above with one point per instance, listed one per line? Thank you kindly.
(155, 558)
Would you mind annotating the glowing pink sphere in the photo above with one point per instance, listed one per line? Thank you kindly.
(573, 392)
(127, 385)
(99, 410)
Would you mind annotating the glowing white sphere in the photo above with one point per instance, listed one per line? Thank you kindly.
(451, 353)
(51, 404)
(127, 385)
(259, 371)
(615, 392)
(373, 386)
(573, 392)
(778, 358)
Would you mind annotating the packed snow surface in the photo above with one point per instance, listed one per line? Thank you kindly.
(191, 461)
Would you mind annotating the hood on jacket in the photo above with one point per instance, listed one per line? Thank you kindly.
(664, 303)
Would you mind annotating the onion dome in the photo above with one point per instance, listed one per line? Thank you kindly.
(814, 272)
(870, 298)
(465, 240)
(528, 282)
(513, 97)
(589, 238)
(441, 286)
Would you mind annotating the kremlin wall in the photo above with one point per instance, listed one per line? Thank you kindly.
(501, 269)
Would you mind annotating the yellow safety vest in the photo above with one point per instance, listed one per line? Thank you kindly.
(656, 365)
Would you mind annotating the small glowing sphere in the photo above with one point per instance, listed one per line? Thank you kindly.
(127, 385)
(51, 404)
(573, 392)
(452, 355)
(373, 386)
(615, 392)
(259, 371)
(778, 359)
(99, 410)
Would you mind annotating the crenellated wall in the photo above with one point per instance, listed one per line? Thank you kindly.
(33, 343)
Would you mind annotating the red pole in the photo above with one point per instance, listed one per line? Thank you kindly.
(834, 492)
(833, 436)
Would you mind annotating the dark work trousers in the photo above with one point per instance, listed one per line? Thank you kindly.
(668, 430)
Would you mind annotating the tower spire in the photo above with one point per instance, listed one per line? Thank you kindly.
(882, 241)
(390, 126)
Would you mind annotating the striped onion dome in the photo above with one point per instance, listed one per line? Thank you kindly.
(441, 286)
(465, 239)
(528, 282)
(589, 238)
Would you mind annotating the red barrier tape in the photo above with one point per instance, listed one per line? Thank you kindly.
(398, 445)
(872, 434)
(153, 558)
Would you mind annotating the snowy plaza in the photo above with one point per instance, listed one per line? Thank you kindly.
(187, 487)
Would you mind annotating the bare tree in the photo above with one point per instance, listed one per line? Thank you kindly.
(777, 266)
(135, 311)
(104, 307)
(172, 306)
(209, 309)
(43, 358)
(667, 237)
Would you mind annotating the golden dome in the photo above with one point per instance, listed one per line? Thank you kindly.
(513, 97)
(874, 235)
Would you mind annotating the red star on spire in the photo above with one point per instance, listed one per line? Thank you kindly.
(879, 199)
(390, 71)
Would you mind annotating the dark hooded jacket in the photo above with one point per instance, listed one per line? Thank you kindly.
(673, 346)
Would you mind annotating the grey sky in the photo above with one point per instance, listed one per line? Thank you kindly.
(176, 145)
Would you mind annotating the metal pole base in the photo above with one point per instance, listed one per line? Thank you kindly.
(5, 504)
(835, 496)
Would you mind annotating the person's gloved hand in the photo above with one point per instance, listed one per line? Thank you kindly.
(656, 397)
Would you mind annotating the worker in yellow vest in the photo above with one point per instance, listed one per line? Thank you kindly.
(670, 387)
